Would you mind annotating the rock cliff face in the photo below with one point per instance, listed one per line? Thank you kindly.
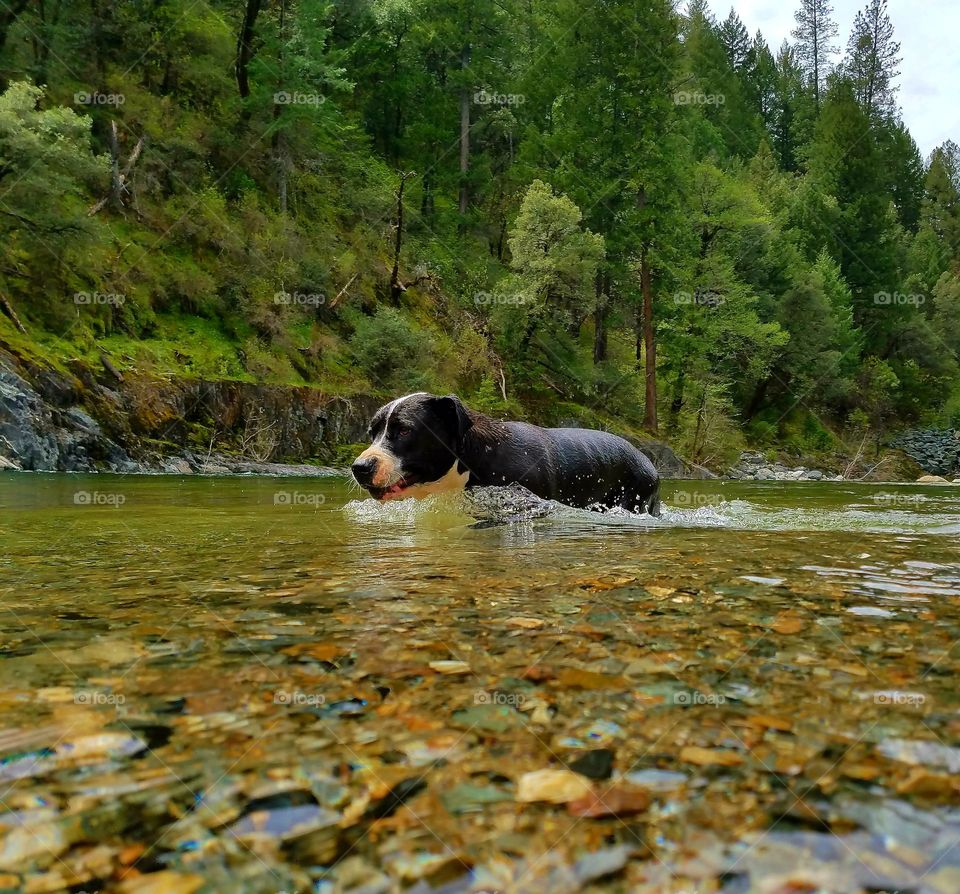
(84, 419)
(81, 420)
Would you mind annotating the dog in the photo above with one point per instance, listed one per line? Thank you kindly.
(424, 444)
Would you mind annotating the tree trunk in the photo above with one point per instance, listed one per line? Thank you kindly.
(701, 414)
(282, 164)
(426, 199)
(116, 184)
(395, 288)
(676, 405)
(649, 345)
(464, 132)
(245, 48)
(756, 401)
(600, 319)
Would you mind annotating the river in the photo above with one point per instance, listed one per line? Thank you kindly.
(259, 684)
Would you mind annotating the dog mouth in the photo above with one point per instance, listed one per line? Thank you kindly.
(394, 492)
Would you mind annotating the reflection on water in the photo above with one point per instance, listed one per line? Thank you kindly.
(271, 684)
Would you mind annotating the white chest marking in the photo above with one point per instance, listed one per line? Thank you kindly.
(449, 483)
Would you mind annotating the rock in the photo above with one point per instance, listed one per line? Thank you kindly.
(40, 843)
(356, 876)
(656, 780)
(813, 475)
(41, 431)
(450, 667)
(707, 757)
(176, 466)
(524, 623)
(553, 786)
(164, 882)
(100, 746)
(596, 764)
(493, 718)
(932, 479)
(765, 474)
(921, 752)
(620, 800)
(668, 464)
(937, 452)
(599, 864)
(26, 425)
(53, 420)
(468, 798)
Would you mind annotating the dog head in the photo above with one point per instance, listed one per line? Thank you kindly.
(417, 442)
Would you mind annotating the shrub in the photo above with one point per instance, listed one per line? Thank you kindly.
(391, 351)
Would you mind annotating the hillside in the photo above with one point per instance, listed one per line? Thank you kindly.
(603, 212)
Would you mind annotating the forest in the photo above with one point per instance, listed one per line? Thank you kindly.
(628, 213)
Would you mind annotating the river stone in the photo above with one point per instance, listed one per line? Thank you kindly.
(554, 786)
(932, 479)
(596, 764)
(922, 752)
(813, 475)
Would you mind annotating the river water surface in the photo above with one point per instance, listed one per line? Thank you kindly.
(256, 684)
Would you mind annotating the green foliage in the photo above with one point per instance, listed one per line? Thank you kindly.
(389, 349)
(757, 208)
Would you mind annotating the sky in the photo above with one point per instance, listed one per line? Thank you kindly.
(929, 74)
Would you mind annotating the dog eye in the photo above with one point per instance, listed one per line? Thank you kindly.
(404, 433)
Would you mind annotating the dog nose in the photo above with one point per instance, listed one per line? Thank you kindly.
(364, 469)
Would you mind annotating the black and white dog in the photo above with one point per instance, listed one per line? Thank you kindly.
(423, 444)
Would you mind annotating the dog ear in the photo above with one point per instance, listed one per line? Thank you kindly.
(452, 409)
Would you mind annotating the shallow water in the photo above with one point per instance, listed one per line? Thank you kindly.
(254, 684)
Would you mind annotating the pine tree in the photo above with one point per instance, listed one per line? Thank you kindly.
(736, 41)
(845, 165)
(794, 112)
(760, 82)
(815, 32)
(873, 57)
(937, 245)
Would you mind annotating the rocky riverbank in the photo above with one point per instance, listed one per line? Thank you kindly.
(83, 419)
(936, 451)
(756, 467)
